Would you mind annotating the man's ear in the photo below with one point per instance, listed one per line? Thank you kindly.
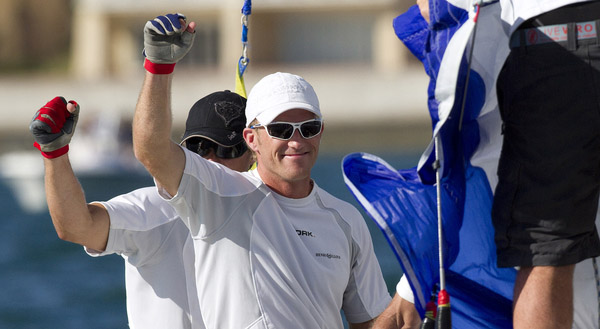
(251, 139)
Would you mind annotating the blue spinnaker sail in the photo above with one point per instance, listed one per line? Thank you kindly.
(403, 202)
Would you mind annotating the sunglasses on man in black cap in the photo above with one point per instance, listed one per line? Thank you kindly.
(204, 146)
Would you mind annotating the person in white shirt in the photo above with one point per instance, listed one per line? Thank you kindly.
(140, 226)
(552, 66)
(273, 250)
(546, 199)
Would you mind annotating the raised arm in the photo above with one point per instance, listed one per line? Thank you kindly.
(152, 145)
(74, 220)
(166, 41)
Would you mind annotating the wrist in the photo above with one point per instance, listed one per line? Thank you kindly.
(52, 154)
(155, 68)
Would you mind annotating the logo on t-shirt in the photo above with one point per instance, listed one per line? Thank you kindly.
(305, 233)
(327, 255)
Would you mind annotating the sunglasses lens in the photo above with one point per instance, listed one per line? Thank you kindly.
(231, 152)
(310, 129)
(285, 130)
(280, 130)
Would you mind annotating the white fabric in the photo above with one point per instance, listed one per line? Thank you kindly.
(159, 261)
(585, 292)
(266, 261)
(403, 290)
(515, 12)
(277, 93)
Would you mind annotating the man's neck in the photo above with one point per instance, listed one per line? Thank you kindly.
(289, 189)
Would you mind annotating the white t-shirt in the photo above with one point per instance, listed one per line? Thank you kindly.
(159, 261)
(266, 261)
(515, 12)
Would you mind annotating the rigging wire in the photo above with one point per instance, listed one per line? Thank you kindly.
(444, 316)
(242, 64)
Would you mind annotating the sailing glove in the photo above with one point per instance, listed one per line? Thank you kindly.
(166, 41)
(52, 127)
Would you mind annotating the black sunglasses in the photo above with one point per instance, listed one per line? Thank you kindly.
(203, 147)
(285, 130)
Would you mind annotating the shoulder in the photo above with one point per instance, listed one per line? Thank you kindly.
(332, 202)
(139, 195)
(346, 213)
(140, 210)
(216, 178)
(146, 198)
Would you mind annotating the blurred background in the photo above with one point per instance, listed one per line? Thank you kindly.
(373, 94)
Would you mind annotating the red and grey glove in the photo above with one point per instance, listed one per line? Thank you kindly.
(52, 127)
(166, 41)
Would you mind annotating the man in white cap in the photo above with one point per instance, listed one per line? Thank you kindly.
(273, 250)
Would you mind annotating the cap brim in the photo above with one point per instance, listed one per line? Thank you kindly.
(217, 136)
(269, 115)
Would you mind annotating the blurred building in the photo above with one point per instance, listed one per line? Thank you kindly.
(33, 33)
(366, 79)
(107, 34)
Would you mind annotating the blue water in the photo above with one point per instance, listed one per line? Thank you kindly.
(49, 283)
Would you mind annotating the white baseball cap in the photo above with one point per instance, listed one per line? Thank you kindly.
(277, 93)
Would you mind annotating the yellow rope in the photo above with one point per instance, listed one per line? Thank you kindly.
(240, 87)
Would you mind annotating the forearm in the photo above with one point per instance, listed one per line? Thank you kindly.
(70, 214)
(400, 314)
(152, 120)
(152, 132)
(388, 320)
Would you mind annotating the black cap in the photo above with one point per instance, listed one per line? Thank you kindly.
(218, 117)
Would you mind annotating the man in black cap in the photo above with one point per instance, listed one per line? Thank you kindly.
(140, 226)
(213, 130)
